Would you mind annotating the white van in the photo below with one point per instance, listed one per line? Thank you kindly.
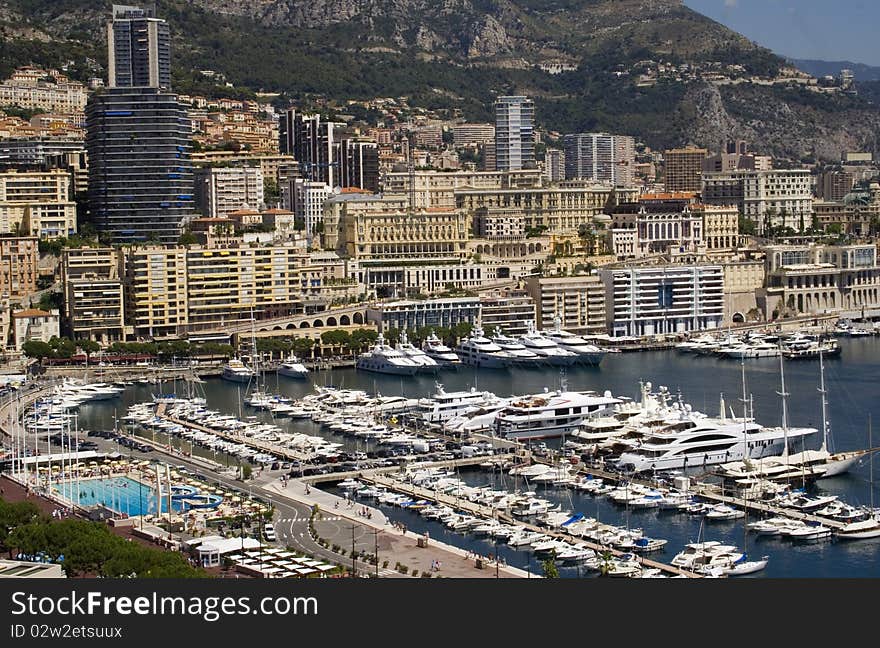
(269, 533)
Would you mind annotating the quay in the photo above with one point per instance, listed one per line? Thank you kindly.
(490, 513)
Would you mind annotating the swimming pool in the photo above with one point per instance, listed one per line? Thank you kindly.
(121, 494)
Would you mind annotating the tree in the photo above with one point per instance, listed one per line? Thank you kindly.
(37, 349)
(303, 346)
(187, 238)
(549, 567)
(246, 471)
(88, 347)
(362, 338)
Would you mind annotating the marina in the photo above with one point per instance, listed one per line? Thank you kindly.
(409, 419)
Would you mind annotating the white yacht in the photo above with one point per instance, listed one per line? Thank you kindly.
(548, 350)
(425, 362)
(694, 439)
(443, 406)
(236, 371)
(442, 354)
(293, 368)
(587, 353)
(519, 355)
(479, 351)
(384, 359)
(551, 414)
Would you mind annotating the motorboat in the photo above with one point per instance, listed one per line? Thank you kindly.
(517, 354)
(439, 352)
(425, 362)
(443, 406)
(647, 545)
(588, 354)
(744, 567)
(724, 512)
(292, 367)
(551, 414)
(382, 358)
(861, 530)
(236, 371)
(810, 531)
(696, 554)
(548, 350)
(479, 351)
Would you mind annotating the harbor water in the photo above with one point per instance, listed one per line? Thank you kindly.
(852, 380)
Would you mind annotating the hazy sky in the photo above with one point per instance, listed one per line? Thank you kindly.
(830, 30)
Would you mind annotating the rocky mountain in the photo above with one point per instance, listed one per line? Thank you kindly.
(644, 67)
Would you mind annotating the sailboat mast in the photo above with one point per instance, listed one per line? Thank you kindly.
(783, 394)
(870, 465)
(824, 403)
(745, 403)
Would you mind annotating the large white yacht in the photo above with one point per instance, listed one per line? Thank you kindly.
(693, 439)
(236, 371)
(551, 352)
(292, 367)
(442, 354)
(519, 355)
(479, 351)
(425, 362)
(384, 359)
(444, 406)
(587, 353)
(551, 414)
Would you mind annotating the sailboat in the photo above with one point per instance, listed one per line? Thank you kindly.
(870, 527)
(804, 465)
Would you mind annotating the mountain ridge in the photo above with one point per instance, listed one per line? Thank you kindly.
(459, 54)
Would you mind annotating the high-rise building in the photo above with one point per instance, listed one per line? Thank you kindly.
(310, 140)
(138, 138)
(219, 191)
(684, 169)
(834, 185)
(140, 174)
(139, 49)
(601, 157)
(472, 134)
(554, 165)
(514, 133)
(358, 164)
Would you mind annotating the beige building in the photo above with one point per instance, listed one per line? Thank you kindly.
(438, 189)
(29, 88)
(720, 225)
(220, 191)
(509, 311)
(37, 203)
(818, 278)
(560, 208)
(18, 266)
(35, 324)
(743, 281)
(853, 214)
(93, 294)
(578, 301)
(684, 169)
(780, 197)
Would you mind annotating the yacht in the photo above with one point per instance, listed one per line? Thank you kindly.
(426, 363)
(442, 354)
(762, 349)
(693, 439)
(698, 554)
(551, 414)
(550, 351)
(811, 349)
(519, 356)
(384, 359)
(444, 406)
(293, 368)
(479, 351)
(587, 353)
(236, 371)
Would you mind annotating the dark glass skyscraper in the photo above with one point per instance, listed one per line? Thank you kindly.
(140, 172)
(139, 49)
(311, 142)
(138, 137)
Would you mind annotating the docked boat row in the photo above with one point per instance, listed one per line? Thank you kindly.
(225, 433)
(237, 371)
(53, 413)
(555, 347)
(761, 345)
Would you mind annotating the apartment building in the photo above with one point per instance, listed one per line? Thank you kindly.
(219, 191)
(94, 305)
(663, 299)
(578, 302)
(779, 197)
(683, 169)
(37, 203)
(18, 266)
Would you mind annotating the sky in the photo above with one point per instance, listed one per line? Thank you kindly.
(829, 30)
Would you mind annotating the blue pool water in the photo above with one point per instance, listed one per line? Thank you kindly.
(121, 494)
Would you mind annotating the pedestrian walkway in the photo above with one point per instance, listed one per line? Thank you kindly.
(396, 544)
